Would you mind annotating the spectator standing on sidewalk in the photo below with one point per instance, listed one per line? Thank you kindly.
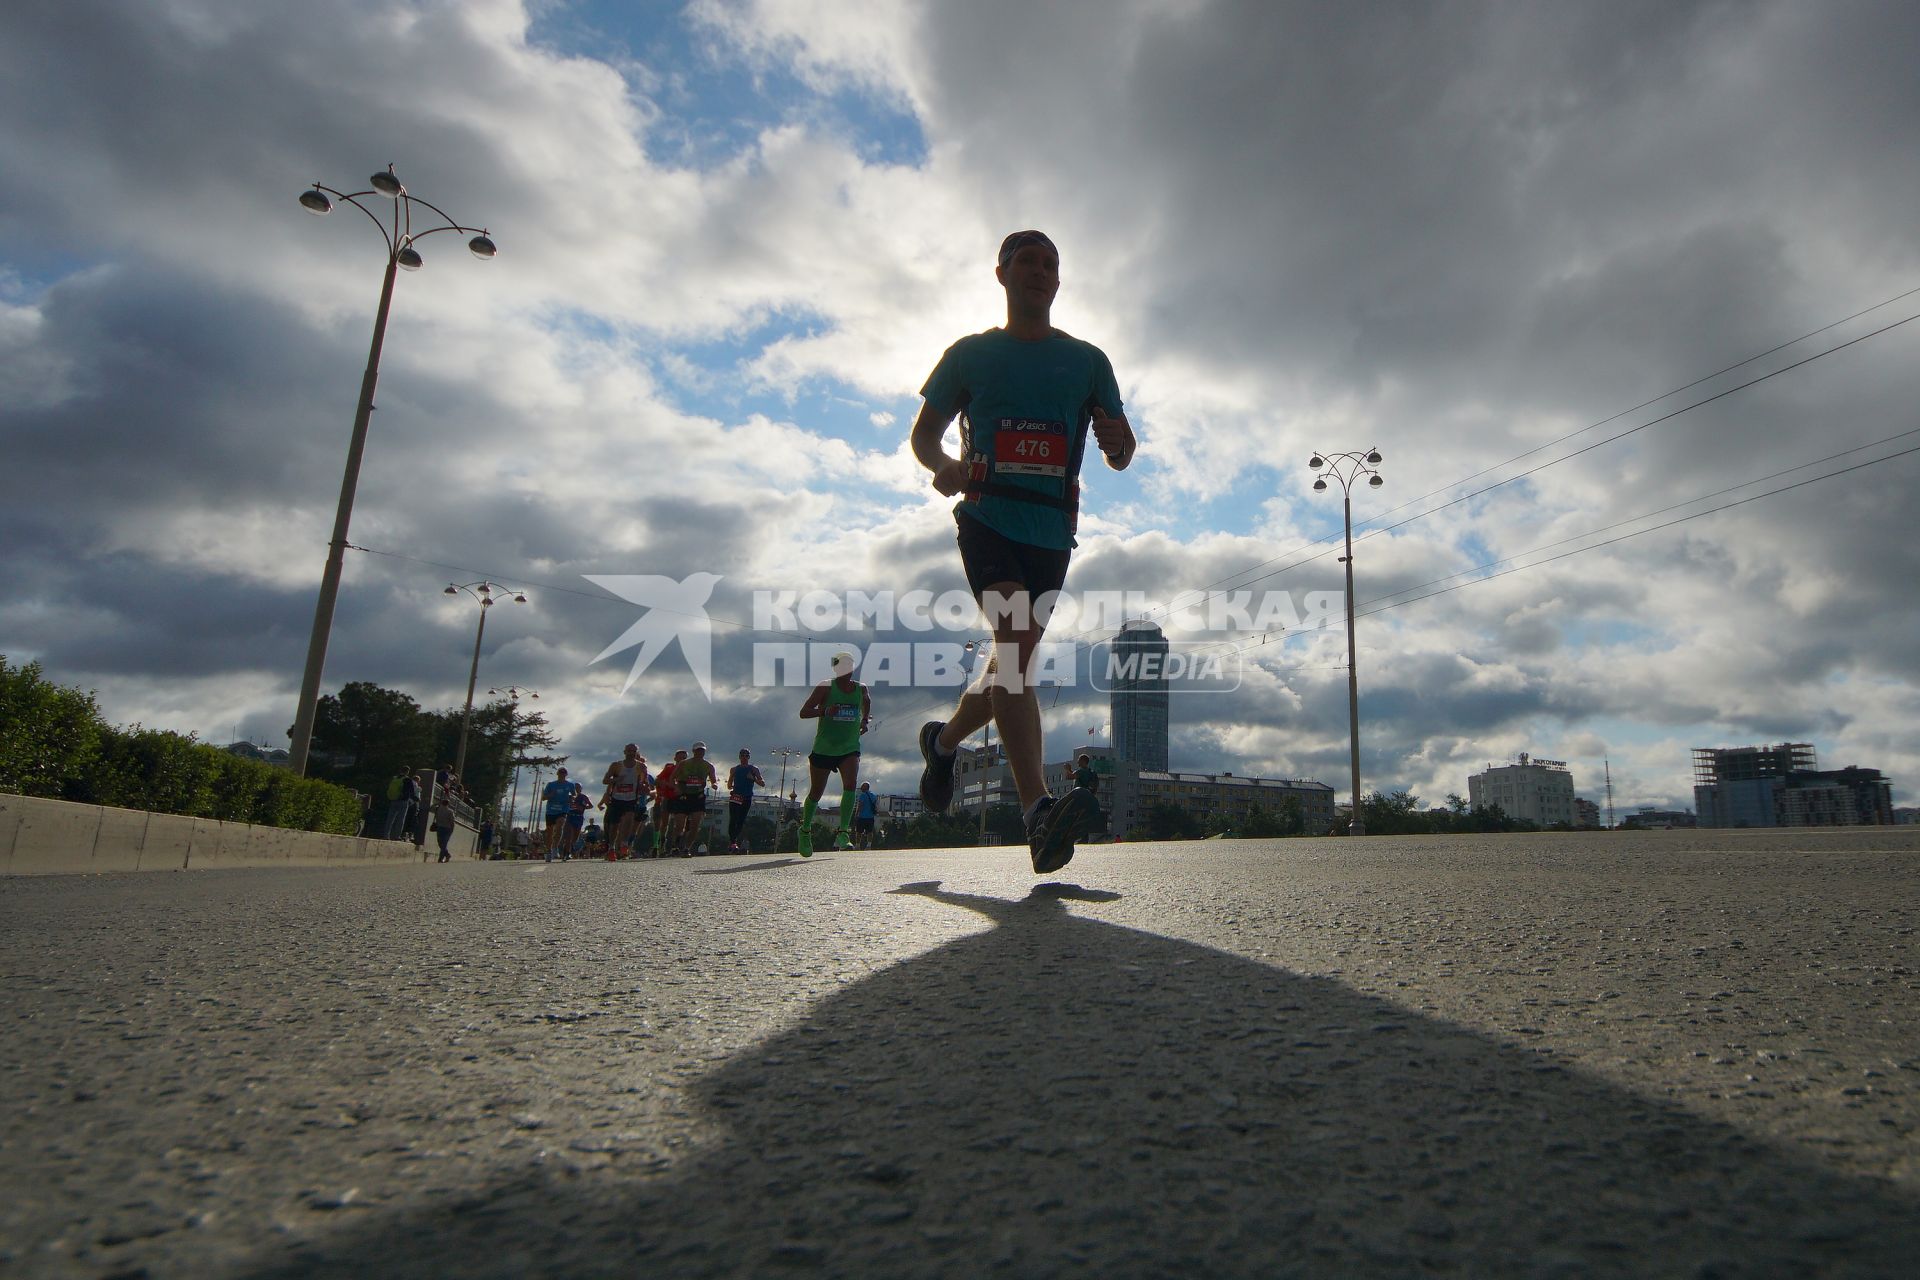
(401, 794)
(443, 826)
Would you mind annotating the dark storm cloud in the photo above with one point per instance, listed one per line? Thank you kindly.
(181, 392)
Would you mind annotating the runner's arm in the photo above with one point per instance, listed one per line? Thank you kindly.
(866, 709)
(815, 705)
(929, 446)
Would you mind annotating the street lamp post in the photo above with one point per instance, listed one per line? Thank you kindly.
(785, 754)
(1346, 468)
(483, 592)
(401, 237)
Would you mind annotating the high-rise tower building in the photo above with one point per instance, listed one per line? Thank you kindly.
(1138, 697)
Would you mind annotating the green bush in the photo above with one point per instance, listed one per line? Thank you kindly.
(49, 736)
(54, 743)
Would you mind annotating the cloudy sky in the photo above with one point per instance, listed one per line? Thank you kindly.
(735, 237)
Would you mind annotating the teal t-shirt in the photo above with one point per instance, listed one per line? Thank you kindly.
(1027, 405)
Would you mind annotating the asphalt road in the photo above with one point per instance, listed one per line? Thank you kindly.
(1601, 1055)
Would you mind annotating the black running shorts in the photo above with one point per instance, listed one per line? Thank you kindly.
(991, 558)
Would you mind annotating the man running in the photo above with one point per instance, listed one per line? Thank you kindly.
(866, 811)
(627, 783)
(665, 796)
(558, 795)
(692, 779)
(1027, 396)
(577, 841)
(741, 780)
(844, 711)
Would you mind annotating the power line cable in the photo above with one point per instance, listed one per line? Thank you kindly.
(1205, 591)
(1647, 515)
(1266, 637)
(1727, 506)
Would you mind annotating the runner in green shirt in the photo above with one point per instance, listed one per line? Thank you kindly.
(844, 711)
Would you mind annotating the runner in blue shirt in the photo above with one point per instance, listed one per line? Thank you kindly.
(741, 780)
(866, 808)
(558, 795)
(1028, 396)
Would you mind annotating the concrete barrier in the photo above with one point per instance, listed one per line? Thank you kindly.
(55, 837)
(165, 846)
(118, 841)
(9, 828)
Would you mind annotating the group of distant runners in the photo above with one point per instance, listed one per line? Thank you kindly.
(647, 813)
(678, 792)
(1027, 397)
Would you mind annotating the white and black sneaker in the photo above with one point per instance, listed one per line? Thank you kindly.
(936, 780)
(1054, 826)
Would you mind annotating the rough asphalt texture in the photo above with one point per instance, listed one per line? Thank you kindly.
(1599, 1055)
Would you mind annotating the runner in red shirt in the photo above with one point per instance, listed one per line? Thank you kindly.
(664, 795)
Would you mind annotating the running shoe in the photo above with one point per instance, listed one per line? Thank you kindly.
(805, 843)
(843, 841)
(936, 780)
(1054, 827)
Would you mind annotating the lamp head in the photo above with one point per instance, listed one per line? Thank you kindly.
(519, 599)
(1320, 485)
(1373, 457)
(1375, 481)
(451, 590)
(409, 258)
(315, 201)
(482, 246)
(1316, 462)
(388, 185)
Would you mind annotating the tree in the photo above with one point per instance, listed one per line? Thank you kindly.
(1166, 820)
(1293, 816)
(502, 737)
(1261, 823)
(365, 734)
(1394, 813)
(954, 830)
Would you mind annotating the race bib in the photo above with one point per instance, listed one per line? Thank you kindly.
(1030, 447)
(844, 712)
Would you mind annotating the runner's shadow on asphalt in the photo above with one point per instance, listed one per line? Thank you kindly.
(1055, 1095)
(770, 865)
